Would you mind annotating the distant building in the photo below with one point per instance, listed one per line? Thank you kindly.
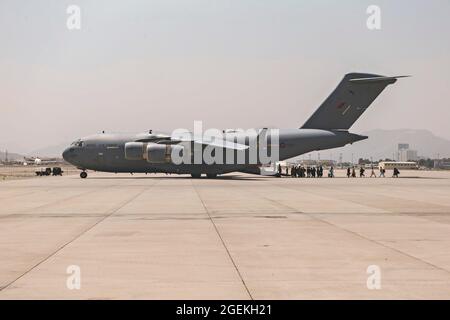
(442, 164)
(371, 165)
(397, 164)
(406, 154)
(324, 162)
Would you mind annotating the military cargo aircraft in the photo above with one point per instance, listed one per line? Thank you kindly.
(232, 151)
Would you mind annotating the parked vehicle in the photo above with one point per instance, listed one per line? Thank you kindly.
(44, 172)
(57, 171)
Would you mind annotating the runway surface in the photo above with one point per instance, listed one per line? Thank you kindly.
(237, 237)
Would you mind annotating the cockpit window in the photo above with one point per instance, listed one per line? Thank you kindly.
(77, 143)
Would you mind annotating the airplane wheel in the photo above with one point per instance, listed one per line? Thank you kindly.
(211, 175)
(196, 175)
(83, 175)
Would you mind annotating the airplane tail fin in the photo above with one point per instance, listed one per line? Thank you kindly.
(348, 101)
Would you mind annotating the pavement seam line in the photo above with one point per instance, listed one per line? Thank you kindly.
(223, 242)
(362, 237)
(74, 239)
(362, 204)
(51, 203)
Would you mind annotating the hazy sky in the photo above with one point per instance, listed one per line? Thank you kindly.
(136, 65)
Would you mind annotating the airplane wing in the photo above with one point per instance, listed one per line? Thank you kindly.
(219, 143)
(222, 144)
(187, 137)
(156, 138)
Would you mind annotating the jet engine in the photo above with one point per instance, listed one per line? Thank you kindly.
(152, 152)
(162, 153)
(134, 150)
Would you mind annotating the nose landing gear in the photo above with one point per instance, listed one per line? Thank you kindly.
(83, 174)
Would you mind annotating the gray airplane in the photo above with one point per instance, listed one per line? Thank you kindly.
(152, 152)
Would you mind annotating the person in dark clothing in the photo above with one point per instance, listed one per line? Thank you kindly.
(320, 172)
(313, 172)
(353, 172)
(279, 170)
(361, 172)
(308, 172)
(331, 173)
(396, 173)
(348, 172)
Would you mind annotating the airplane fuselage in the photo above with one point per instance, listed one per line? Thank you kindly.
(106, 152)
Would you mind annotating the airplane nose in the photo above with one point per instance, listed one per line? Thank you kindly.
(67, 154)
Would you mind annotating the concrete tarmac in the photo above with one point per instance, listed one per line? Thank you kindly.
(235, 237)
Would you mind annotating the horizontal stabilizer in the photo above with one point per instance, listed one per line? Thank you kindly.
(377, 79)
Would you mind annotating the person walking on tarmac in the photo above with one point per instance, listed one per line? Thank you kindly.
(331, 173)
(348, 172)
(372, 174)
(361, 172)
(353, 172)
(396, 173)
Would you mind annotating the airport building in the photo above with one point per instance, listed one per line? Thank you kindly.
(389, 165)
(442, 164)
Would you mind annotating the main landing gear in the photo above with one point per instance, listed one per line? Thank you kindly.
(83, 174)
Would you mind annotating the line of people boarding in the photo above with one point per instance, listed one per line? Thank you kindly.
(300, 171)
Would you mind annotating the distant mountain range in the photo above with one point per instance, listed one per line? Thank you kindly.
(381, 144)
(50, 151)
(11, 156)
